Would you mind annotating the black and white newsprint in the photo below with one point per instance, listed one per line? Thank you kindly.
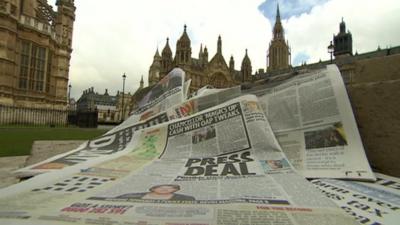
(312, 119)
(375, 203)
(221, 165)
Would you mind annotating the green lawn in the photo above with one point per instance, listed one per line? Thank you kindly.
(18, 141)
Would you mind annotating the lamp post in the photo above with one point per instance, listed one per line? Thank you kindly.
(331, 49)
(69, 93)
(123, 96)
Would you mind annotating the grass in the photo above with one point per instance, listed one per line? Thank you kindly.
(18, 141)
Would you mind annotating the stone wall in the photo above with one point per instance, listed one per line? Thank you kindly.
(375, 97)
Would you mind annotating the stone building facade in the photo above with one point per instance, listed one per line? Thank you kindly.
(109, 107)
(216, 71)
(35, 52)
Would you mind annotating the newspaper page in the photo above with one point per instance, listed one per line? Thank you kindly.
(375, 203)
(387, 183)
(312, 119)
(199, 91)
(169, 91)
(220, 166)
(116, 141)
(186, 87)
(209, 90)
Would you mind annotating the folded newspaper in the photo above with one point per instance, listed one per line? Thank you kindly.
(221, 165)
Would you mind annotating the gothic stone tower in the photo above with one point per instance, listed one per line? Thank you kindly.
(155, 69)
(343, 42)
(35, 54)
(183, 55)
(166, 60)
(246, 69)
(279, 52)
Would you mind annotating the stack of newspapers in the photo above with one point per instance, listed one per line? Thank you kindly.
(283, 152)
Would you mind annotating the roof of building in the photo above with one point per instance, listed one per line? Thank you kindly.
(98, 99)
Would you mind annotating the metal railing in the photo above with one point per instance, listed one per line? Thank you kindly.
(26, 116)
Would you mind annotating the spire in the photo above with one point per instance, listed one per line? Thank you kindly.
(184, 38)
(157, 55)
(183, 53)
(246, 59)
(278, 29)
(205, 54)
(231, 64)
(278, 14)
(166, 58)
(246, 68)
(219, 45)
(167, 49)
(342, 26)
(141, 83)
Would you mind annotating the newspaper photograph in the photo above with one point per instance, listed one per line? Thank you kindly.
(375, 203)
(312, 119)
(222, 165)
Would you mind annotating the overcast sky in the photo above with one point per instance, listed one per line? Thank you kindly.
(113, 37)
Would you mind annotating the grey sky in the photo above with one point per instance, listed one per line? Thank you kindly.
(113, 37)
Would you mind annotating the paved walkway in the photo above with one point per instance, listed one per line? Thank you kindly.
(41, 150)
(7, 165)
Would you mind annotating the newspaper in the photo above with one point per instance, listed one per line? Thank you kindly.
(209, 90)
(370, 203)
(186, 87)
(165, 94)
(219, 166)
(312, 119)
(200, 91)
(169, 91)
(118, 139)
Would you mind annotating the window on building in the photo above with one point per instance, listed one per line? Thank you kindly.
(48, 71)
(33, 67)
(24, 67)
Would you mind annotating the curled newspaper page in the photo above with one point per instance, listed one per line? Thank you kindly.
(117, 139)
(221, 165)
(168, 92)
(312, 119)
(370, 203)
